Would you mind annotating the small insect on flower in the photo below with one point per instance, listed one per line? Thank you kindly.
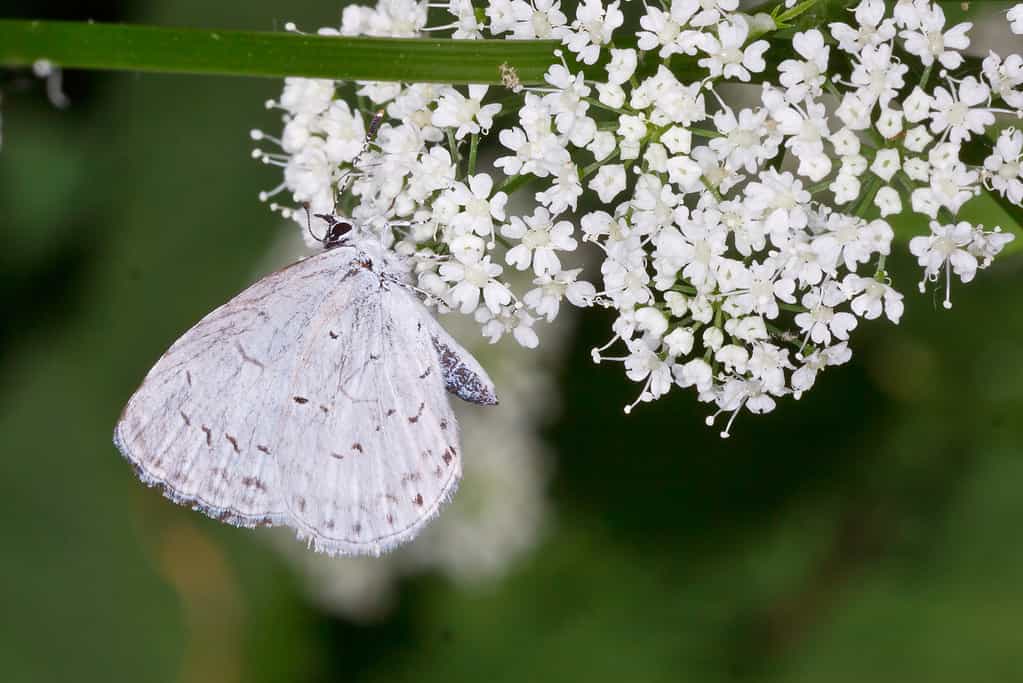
(314, 399)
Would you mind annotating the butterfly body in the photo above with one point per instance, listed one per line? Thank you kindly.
(314, 399)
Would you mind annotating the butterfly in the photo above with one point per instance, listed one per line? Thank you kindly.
(315, 399)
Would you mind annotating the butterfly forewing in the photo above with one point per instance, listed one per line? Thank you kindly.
(204, 423)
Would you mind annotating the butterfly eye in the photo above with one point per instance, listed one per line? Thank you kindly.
(337, 234)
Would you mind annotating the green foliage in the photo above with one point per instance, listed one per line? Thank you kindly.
(275, 54)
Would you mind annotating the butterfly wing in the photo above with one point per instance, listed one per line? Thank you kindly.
(376, 442)
(463, 375)
(204, 424)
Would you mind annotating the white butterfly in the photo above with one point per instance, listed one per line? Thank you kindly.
(313, 399)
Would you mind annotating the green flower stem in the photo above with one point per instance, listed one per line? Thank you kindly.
(456, 158)
(514, 182)
(474, 143)
(873, 185)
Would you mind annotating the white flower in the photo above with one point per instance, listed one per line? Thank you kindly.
(711, 11)
(472, 279)
(309, 96)
(872, 28)
(466, 114)
(917, 139)
(917, 106)
(592, 29)
(622, 66)
(664, 28)
(821, 321)
(743, 143)
(1015, 16)
(643, 364)
(870, 297)
(696, 372)
(545, 298)
(567, 103)
(802, 77)
(726, 55)
(508, 319)
(564, 191)
(1005, 78)
(845, 142)
(539, 238)
(877, 74)
(679, 341)
(888, 201)
(480, 208)
(957, 114)
(1005, 166)
(609, 182)
(928, 41)
(542, 19)
(946, 247)
(889, 123)
(886, 163)
(803, 378)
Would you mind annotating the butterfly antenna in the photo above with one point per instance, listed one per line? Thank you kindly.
(371, 133)
(309, 224)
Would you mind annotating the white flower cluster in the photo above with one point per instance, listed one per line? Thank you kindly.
(739, 246)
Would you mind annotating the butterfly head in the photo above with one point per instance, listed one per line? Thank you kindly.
(337, 231)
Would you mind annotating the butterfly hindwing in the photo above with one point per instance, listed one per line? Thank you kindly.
(375, 442)
(463, 375)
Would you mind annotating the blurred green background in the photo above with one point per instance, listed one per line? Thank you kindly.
(866, 532)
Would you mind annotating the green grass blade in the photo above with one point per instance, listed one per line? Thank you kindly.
(245, 53)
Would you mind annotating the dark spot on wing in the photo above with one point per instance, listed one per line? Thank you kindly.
(253, 482)
(443, 424)
(234, 442)
(329, 524)
(332, 333)
(188, 377)
(426, 373)
(337, 455)
(356, 529)
(264, 449)
(209, 435)
(390, 519)
(415, 418)
(185, 418)
(300, 400)
(357, 447)
(246, 357)
(374, 356)
(390, 411)
(418, 500)
(325, 409)
(448, 456)
(300, 502)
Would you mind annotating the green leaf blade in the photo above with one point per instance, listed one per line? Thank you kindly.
(275, 55)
